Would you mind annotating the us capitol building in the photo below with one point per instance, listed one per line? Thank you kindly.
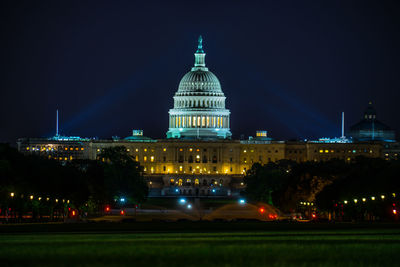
(198, 157)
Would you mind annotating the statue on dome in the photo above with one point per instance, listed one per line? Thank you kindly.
(200, 45)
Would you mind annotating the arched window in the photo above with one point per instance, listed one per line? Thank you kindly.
(196, 181)
(180, 182)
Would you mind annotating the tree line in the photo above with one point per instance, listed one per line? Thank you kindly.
(363, 189)
(46, 189)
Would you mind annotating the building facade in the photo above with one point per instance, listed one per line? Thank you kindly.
(199, 167)
(198, 157)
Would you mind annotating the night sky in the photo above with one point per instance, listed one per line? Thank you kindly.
(288, 67)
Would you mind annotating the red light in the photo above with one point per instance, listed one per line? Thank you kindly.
(107, 209)
(394, 211)
(261, 210)
(122, 212)
(314, 216)
(69, 209)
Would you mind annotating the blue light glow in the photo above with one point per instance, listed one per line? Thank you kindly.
(214, 190)
(122, 199)
(189, 206)
(182, 201)
(177, 190)
(242, 201)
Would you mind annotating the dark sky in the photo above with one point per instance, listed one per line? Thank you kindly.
(289, 67)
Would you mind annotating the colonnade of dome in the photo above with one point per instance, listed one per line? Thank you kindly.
(201, 121)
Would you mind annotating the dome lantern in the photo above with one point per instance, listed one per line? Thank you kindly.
(199, 57)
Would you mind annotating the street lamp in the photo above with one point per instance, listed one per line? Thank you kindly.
(12, 194)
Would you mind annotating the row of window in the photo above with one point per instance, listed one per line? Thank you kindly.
(190, 169)
(344, 151)
(198, 159)
(61, 158)
(195, 182)
(53, 148)
(269, 151)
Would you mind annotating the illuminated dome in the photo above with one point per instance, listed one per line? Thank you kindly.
(200, 82)
(199, 104)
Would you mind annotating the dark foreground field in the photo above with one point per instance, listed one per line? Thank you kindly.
(199, 244)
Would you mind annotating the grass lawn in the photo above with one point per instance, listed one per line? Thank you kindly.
(235, 245)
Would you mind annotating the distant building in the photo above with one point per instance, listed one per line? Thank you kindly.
(371, 129)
